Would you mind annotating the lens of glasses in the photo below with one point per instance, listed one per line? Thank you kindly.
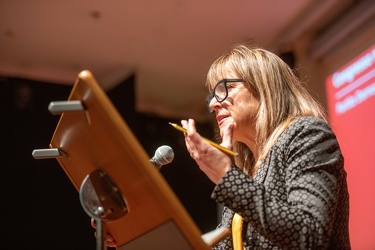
(208, 100)
(221, 91)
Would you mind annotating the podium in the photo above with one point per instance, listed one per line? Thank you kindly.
(116, 180)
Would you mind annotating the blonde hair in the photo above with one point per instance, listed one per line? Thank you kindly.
(281, 96)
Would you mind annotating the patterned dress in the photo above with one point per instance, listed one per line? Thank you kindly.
(298, 198)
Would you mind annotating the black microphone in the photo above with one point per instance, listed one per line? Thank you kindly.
(163, 155)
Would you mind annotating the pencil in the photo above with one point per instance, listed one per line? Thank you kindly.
(225, 150)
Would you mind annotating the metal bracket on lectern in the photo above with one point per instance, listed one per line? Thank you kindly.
(102, 200)
(58, 107)
(46, 153)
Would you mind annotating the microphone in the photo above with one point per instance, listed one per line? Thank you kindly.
(163, 155)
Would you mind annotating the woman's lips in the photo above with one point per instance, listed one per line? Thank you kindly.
(220, 119)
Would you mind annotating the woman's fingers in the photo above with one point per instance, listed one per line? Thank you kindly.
(191, 130)
(109, 240)
(93, 223)
(227, 136)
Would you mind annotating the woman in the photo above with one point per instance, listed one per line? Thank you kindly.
(288, 183)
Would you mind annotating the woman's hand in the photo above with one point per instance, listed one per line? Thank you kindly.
(109, 241)
(213, 162)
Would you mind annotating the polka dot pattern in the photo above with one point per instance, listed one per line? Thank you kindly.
(298, 198)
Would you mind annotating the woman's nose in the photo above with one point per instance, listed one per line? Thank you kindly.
(214, 104)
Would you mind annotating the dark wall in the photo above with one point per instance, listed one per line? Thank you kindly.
(40, 206)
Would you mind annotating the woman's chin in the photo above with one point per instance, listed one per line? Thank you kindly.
(223, 127)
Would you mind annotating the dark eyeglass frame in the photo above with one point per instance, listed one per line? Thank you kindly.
(212, 94)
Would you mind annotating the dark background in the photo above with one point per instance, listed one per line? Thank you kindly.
(39, 204)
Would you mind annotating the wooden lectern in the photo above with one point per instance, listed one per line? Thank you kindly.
(94, 146)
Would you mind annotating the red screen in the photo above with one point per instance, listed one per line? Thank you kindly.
(351, 103)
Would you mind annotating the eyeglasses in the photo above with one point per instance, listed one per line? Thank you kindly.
(220, 92)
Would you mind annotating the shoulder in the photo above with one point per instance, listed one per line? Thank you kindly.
(307, 126)
(307, 134)
(309, 123)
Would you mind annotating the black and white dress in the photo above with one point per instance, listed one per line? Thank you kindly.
(298, 198)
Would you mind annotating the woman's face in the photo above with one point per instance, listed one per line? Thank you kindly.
(240, 108)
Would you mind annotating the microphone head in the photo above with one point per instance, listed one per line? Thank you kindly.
(163, 155)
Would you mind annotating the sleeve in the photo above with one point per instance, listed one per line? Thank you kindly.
(298, 210)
